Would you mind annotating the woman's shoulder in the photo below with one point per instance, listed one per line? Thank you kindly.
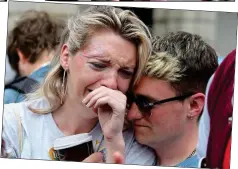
(23, 109)
(20, 113)
(14, 109)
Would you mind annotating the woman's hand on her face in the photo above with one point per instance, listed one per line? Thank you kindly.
(111, 106)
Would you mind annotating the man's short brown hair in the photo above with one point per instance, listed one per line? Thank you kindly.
(194, 61)
(34, 33)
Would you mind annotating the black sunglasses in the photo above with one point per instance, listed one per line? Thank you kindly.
(145, 106)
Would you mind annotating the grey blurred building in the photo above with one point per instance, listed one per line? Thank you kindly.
(217, 28)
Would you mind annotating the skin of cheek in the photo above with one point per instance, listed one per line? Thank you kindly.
(81, 75)
(168, 123)
(85, 83)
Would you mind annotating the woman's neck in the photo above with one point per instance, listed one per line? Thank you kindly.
(70, 118)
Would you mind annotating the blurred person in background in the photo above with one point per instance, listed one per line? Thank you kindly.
(31, 45)
(10, 73)
(168, 100)
(215, 126)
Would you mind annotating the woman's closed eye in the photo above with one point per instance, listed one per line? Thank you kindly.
(127, 74)
(97, 65)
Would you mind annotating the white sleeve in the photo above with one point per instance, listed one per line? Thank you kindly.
(136, 153)
(204, 127)
(10, 132)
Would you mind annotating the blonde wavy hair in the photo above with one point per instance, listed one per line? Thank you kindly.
(77, 32)
(163, 66)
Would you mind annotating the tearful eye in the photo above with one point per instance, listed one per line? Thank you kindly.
(126, 74)
(98, 66)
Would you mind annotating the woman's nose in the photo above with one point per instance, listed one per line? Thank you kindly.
(133, 113)
(110, 80)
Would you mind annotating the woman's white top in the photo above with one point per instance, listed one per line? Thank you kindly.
(39, 132)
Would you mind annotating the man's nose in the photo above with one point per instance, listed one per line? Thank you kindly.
(134, 113)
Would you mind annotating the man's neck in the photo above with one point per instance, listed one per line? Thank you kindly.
(32, 68)
(44, 58)
(177, 150)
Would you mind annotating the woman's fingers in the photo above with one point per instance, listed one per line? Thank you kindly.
(117, 107)
(102, 101)
(102, 96)
(90, 95)
(94, 99)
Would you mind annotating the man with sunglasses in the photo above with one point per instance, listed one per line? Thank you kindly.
(168, 100)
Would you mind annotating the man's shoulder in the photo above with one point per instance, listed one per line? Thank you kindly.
(40, 73)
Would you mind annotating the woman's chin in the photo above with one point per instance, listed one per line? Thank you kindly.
(90, 113)
(93, 112)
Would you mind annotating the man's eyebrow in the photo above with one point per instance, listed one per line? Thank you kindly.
(147, 96)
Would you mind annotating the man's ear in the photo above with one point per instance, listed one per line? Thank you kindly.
(196, 103)
(22, 57)
(64, 57)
